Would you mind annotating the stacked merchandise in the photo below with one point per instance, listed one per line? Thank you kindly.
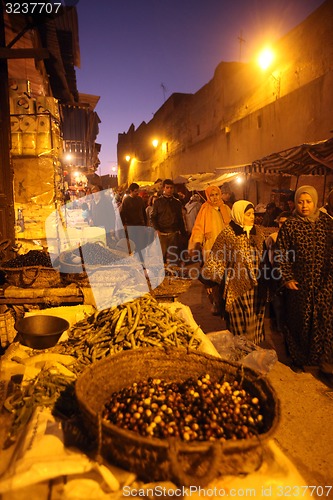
(35, 121)
(36, 146)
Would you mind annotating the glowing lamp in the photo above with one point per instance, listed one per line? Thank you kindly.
(265, 58)
(68, 157)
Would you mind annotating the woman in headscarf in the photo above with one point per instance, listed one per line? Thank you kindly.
(236, 259)
(305, 252)
(192, 208)
(213, 216)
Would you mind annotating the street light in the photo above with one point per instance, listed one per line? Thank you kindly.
(68, 157)
(143, 146)
(265, 60)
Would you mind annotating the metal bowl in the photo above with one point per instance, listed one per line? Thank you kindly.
(40, 331)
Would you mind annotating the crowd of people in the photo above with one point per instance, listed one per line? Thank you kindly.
(242, 267)
(293, 267)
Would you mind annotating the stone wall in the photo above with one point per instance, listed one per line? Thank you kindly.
(243, 114)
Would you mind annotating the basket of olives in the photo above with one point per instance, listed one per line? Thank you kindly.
(177, 415)
(33, 269)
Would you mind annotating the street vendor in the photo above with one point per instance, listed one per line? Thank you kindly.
(102, 212)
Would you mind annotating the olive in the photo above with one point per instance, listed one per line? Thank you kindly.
(194, 410)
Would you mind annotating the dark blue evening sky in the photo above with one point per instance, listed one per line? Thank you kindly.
(129, 48)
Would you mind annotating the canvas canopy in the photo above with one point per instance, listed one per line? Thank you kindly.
(315, 158)
(200, 181)
(199, 184)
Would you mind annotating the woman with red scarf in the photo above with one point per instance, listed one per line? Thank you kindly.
(214, 215)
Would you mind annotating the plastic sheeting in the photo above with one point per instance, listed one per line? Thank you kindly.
(132, 274)
(34, 180)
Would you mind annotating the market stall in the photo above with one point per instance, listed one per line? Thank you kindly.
(47, 446)
(46, 459)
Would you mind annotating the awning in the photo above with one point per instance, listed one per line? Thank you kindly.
(230, 176)
(314, 158)
(202, 181)
(181, 179)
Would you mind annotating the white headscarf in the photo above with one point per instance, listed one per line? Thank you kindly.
(237, 214)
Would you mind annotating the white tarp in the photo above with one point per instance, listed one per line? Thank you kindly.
(201, 181)
(130, 274)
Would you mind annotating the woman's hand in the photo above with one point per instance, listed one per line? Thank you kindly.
(195, 253)
(292, 285)
(198, 246)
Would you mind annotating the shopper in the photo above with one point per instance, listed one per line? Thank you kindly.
(167, 219)
(85, 212)
(192, 208)
(149, 208)
(291, 202)
(270, 215)
(134, 217)
(213, 216)
(183, 196)
(227, 195)
(102, 212)
(270, 241)
(158, 187)
(133, 209)
(275, 288)
(305, 243)
(236, 262)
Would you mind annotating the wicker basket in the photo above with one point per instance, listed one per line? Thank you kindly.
(79, 272)
(152, 459)
(32, 276)
(72, 273)
(7, 328)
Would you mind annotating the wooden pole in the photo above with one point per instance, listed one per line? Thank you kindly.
(7, 215)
